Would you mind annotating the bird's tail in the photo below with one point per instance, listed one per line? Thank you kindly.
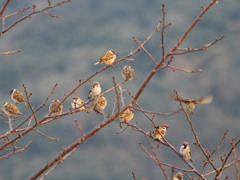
(26, 104)
(207, 100)
(96, 63)
(172, 97)
(134, 77)
(150, 133)
(89, 109)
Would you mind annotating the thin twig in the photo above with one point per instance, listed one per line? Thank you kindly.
(158, 113)
(117, 94)
(10, 52)
(79, 128)
(225, 167)
(29, 103)
(204, 48)
(184, 70)
(33, 13)
(217, 147)
(46, 136)
(219, 171)
(56, 165)
(134, 177)
(235, 157)
(145, 50)
(16, 151)
(156, 159)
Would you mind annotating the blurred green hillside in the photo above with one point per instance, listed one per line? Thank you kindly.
(63, 51)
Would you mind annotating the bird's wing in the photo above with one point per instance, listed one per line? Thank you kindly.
(175, 98)
(204, 100)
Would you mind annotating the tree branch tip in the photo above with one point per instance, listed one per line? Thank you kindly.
(169, 24)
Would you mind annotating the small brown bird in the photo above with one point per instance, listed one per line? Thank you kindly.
(10, 109)
(18, 97)
(178, 176)
(127, 115)
(95, 90)
(77, 104)
(128, 73)
(159, 132)
(185, 151)
(98, 105)
(54, 109)
(190, 103)
(108, 58)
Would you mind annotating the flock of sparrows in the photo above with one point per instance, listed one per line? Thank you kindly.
(100, 102)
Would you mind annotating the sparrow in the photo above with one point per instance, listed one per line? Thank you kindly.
(95, 90)
(98, 104)
(127, 73)
(178, 176)
(190, 103)
(159, 132)
(127, 115)
(18, 97)
(77, 104)
(185, 151)
(53, 109)
(108, 58)
(10, 109)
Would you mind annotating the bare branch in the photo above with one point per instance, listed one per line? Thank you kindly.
(30, 14)
(219, 172)
(10, 52)
(204, 48)
(184, 70)
(4, 7)
(236, 158)
(46, 136)
(79, 127)
(16, 151)
(134, 177)
(144, 49)
(225, 167)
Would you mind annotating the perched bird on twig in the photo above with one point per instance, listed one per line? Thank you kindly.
(190, 103)
(77, 104)
(185, 151)
(18, 97)
(98, 104)
(95, 90)
(108, 58)
(159, 132)
(10, 109)
(127, 115)
(128, 73)
(54, 108)
(178, 176)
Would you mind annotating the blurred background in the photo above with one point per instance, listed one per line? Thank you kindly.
(63, 51)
